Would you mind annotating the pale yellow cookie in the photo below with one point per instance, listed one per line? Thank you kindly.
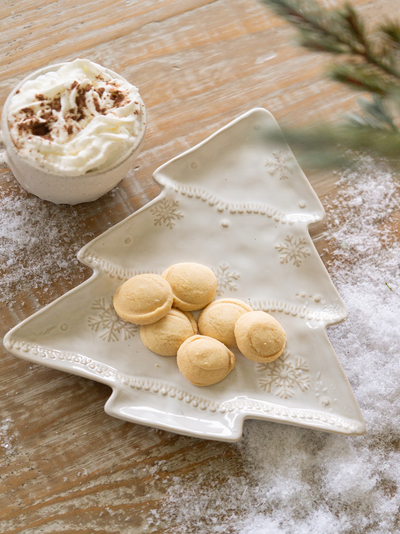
(204, 360)
(193, 285)
(219, 318)
(260, 337)
(166, 335)
(143, 299)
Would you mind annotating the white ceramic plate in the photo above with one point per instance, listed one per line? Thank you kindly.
(242, 206)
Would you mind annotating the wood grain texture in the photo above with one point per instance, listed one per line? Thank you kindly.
(65, 465)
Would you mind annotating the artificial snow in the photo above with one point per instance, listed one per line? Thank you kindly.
(38, 244)
(7, 437)
(300, 481)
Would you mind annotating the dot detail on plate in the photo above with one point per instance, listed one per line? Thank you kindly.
(128, 240)
(225, 223)
(302, 204)
(325, 401)
(64, 327)
(317, 298)
(194, 165)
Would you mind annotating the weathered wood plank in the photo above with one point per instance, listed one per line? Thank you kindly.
(65, 466)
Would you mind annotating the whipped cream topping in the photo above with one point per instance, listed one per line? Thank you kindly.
(75, 119)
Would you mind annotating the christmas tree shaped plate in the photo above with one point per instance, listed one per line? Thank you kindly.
(242, 206)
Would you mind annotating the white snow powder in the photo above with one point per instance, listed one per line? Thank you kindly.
(38, 243)
(7, 437)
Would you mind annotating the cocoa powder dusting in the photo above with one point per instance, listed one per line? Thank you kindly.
(97, 106)
(47, 115)
(40, 119)
(118, 98)
(56, 104)
(41, 129)
(22, 127)
(28, 112)
(80, 103)
(73, 116)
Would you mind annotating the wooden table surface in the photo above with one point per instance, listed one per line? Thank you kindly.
(65, 465)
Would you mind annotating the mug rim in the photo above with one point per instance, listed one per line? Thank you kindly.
(90, 173)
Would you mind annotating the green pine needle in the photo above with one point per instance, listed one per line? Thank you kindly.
(391, 30)
(362, 78)
(369, 62)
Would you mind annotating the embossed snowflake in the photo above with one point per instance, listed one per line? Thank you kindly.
(226, 279)
(165, 212)
(279, 165)
(331, 311)
(284, 376)
(293, 250)
(108, 324)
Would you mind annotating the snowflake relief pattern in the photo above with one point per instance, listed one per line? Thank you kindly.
(225, 279)
(165, 212)
(284, 376)
(293, 250)
(331, 311)
(107, 323)
(279, 165)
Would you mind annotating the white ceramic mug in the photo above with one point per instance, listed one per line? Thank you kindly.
(59, 188)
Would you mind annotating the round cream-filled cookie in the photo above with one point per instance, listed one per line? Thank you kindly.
(218, 319)
(143, 299)
(193, 285)
(204, 360)
(260, 337)
(166, 335)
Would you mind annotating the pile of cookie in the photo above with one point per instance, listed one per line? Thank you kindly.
(162, 306)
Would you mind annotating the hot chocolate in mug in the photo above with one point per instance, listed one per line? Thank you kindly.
(72, 131)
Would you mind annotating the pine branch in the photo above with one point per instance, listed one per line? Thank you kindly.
(362, 77)
(376, 114)
(338, 31)
(321, 28)
(391, 31)
(369, 62)
(356, 27)
(323, 146)
(317, 43)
